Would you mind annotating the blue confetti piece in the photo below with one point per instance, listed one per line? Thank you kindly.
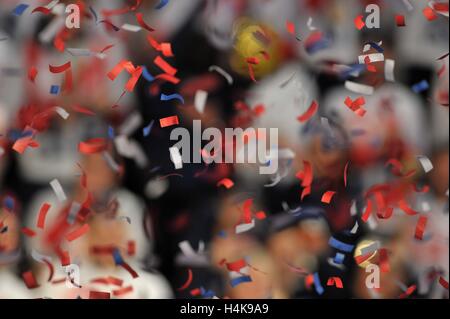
(172, 97)
(421, 86)
(162, 4)
(240, 280)
(355, 68)
(8, 202)
(146, 74)
(14, 135)
(111, 133)
(317, 284)
(118, 260)
(339, 258)
(222, 234)
(20, 9)
(376, 47)
(207, 294)
(54, 90)
(340, 245)
(148, 129)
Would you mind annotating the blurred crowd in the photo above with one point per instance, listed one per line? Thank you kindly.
(177, 228)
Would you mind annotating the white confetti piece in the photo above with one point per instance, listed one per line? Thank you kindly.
(131, 27)
(367, 47)
(57, 188)
(355, 228)
(389, 70)
(353, 209)
(79, 52)
(131, 124)
(200, 100)
(175, 157)
(374, 57)
(309, 24)
(73, 212)
(427, 165)
(359, 88)
(242, 228)
(222, 72)
(408, 5)
(370, 249)
(62, 112)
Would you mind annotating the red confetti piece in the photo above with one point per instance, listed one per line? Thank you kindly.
(30, 280)
(122, 291)
(335, 281)
(51, 270)
(408, 292)
(28, 232)
(130, 270)
(429, 14)
(128, 66)
(42, 215)
(188, 281)
(384, 260)
(327, 197)
(400, 20)
(22, 144)
(408, 210)
(68, 73)
(359, 22)
(305, 192)
(83, 110)
(92, 146)
(42, 10)
(306, 175)
(108, 281)
(140, 20)
(420, 227)
(167, 78)
(443, 282)
(169, 121)
(236, 266)
(226, 182)
(356, 105)
(312, 110)
(247, 216)
(251, 73)
(165, 48)
(366, 215)
(32, 73)
(261, 215)
(99, 295)
(77, 233)
(131, 248)
(59, 43)
(346, 173)
(290, 27)
(60, 68)
(166, 67)
(107, 48)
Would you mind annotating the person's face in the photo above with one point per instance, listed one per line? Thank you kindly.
(100, 177)
(439, 175)
(9, 239)
(106, 232)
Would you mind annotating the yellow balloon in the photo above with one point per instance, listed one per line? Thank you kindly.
(358, 252)
(253, 40)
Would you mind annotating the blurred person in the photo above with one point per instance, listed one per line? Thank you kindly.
(116, 220)
(11, 287)
(298, 244)
(91, 91)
